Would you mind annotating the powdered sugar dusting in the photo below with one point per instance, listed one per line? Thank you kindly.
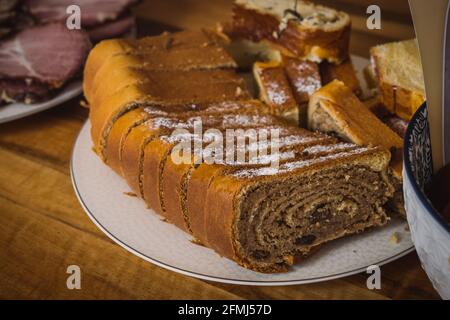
(292, 166)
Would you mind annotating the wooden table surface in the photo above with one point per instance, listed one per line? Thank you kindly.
(43, 229)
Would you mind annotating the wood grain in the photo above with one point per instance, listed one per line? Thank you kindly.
(43, 228)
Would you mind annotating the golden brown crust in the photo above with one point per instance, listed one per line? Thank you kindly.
(192, 86)
(196, 199)
(95, 60)
(133, 153)
(155, 154)
(303, 76)
(174, 176)
(359, 124)
(127, 53)
(344, 72)
(119, 131)
(125, 69)
(103, 116)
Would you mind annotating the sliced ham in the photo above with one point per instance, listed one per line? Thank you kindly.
(41, 56)
(93, 12)
(19, 90)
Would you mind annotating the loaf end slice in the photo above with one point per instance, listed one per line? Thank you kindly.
(265, 218)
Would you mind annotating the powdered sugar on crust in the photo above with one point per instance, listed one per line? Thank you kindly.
(301, 164)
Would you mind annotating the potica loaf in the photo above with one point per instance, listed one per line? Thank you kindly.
(259, 209)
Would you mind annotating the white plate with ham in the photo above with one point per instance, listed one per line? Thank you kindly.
(127, 221)
(14, 111)
(40, 65)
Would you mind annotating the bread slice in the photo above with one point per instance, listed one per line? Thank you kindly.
(304, 78)
(263, 218)
(158, 152)
(118, 134)
(110, 110)
(335, 110)
(285, 86)
(275, 90)
(344, 72)
(398, 70)
(307, 31)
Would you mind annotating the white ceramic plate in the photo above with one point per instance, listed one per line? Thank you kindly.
(128, 222)
(15, 111)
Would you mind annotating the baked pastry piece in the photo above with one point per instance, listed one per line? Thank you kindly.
(304, 78)
(344, 72)
(275, 90)
(157, 153)
(285, 86)
(263, 218)
(335, 110)
(259, 214)
(305, 30)
(398, 69)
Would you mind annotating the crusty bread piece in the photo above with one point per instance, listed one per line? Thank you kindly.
(344, 72)
(304, 78)
(131, 119)
(118, 134)
(334, 109)
(398, 70)
(275, 90)
(134, 145)
(285, 86)
(312, 32)
(237, 211)
(157, 152)
(112, 108)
